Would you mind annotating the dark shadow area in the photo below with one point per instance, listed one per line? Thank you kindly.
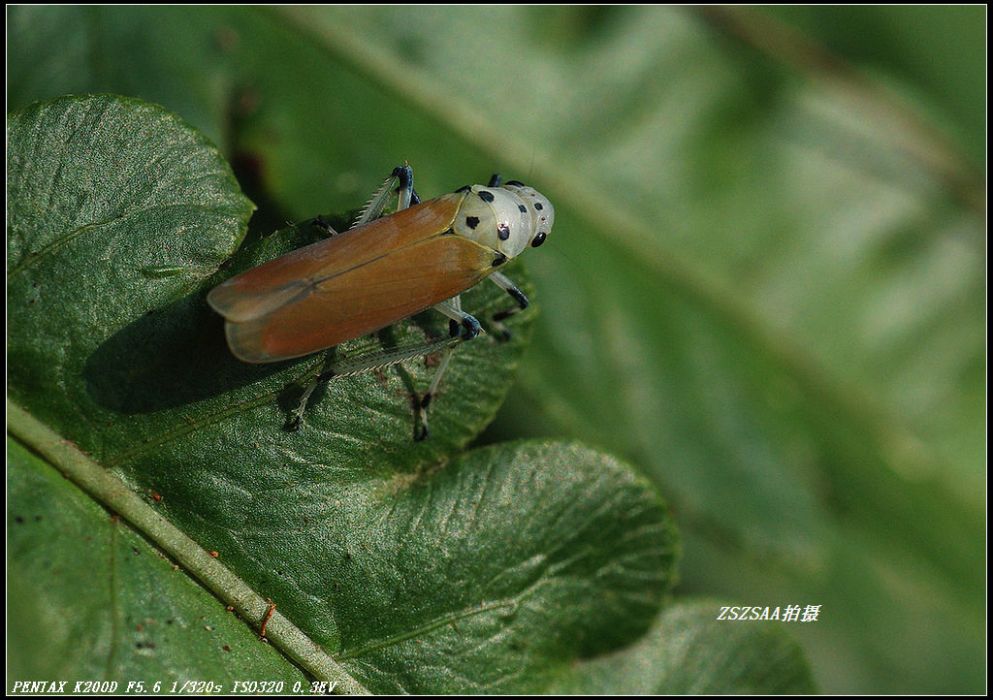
(178, 354)
(169, 357)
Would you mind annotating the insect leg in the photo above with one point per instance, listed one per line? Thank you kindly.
(466, 327)
(335, 367)
(495, 180)
(424, 401)
(460, 323)
(295, 421)
(401, 180)
(462, 326)
(405, 187)
(323, 224)
(506, 284)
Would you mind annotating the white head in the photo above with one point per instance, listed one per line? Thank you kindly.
(541, 211)
(507, 219)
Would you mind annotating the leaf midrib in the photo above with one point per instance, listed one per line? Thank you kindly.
(105, 488)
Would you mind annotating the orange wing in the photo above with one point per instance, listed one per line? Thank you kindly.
(350, 285)
(265, 288)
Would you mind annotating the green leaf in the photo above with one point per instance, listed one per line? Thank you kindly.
(117, 208)
(763, 288)
(394, 566)
(107, 317)
(135, 618)
(493, 573)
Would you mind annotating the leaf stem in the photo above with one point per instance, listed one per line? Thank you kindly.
(114, 494)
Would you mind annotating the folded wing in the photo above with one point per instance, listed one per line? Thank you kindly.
(350, 285)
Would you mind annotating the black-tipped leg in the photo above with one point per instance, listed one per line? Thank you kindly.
(405, 174)
(326, 228)
(466, 329)
(335, 367)
(401, 183)
(500, 330)
(460, 325)
(470, 327)
(295, 421)
(421, 430)
(405, 186)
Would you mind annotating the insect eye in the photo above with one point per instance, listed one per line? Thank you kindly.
(538, 239)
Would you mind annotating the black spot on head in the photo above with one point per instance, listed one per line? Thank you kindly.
(516, 183)
(537, 205)
(503, 231)
(522, 208)
(472, 222)
(499, 260)
(539, 239)
(486, 196)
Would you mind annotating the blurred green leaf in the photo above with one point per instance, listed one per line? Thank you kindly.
(764, 285)
(930, 49)
(689, 652)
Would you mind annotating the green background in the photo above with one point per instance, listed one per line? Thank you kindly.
(765, 288)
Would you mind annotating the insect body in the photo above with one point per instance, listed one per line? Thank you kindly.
(383, 270)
